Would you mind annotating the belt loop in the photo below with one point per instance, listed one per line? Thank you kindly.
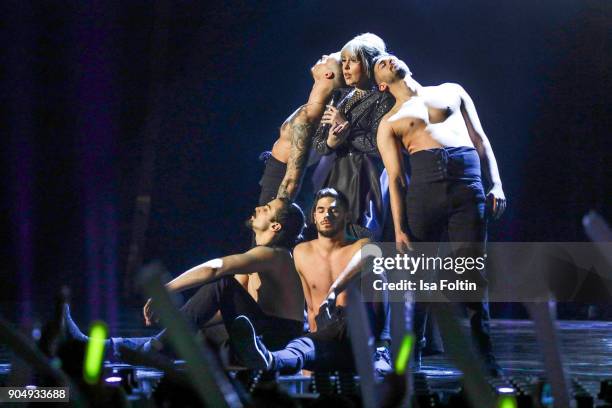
(445, 156)
(443, 163)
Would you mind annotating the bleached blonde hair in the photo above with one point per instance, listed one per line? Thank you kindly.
(366, 47)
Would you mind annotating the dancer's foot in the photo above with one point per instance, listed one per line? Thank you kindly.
(75, 333)
(73, 330)
(113, 344)
(249, 348)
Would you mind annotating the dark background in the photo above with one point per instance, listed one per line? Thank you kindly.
(85, 84)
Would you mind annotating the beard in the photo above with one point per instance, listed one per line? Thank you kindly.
(330, 232)
(401, 72)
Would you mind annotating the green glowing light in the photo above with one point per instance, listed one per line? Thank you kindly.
(403, 355)
(506, 401)
(94, 354)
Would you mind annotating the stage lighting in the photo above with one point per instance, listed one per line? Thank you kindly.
(112, 380)
(94, 354)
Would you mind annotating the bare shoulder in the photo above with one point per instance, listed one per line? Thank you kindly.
(392, 111)
(450, 87)
(386, 123)
(287, 123)
(262, 251)
(302, 247)
(302, 250)
(271, 259)
(281, 252)
(283, 258)
(267, 255)
(446, 95)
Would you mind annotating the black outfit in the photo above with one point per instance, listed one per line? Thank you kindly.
(229, 297)
(445, 194)
(273, 175)
(357, 167)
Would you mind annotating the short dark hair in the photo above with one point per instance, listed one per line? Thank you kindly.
(340, 198)
(291, 218)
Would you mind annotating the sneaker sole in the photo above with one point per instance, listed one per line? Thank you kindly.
(243, 339)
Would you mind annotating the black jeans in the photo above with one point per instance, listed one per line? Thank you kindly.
(273, 175)
(231, 299)
(445, 195)
(326, 349)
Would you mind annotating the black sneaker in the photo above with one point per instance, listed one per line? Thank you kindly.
(248, 347)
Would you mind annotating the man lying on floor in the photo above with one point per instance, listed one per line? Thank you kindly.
(325, 265)
(278, 310)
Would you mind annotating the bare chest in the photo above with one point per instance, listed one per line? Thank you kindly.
(324, 270)
(417, 112)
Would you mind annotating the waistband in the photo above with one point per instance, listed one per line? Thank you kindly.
(274, 167)
(447, 163)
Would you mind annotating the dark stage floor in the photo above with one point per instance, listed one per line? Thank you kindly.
(586, 347)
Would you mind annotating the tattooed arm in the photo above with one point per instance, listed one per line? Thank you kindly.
(302, 126)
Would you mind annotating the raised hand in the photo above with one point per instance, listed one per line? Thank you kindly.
(149, 315)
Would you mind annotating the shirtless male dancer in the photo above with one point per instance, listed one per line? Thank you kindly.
(285, 166)
(278, 310)
(325, 266)
(439, 128)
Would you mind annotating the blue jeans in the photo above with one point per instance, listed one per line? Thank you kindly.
(326, 349)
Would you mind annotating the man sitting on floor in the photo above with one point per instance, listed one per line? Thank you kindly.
(278, 310)
(325, 266)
